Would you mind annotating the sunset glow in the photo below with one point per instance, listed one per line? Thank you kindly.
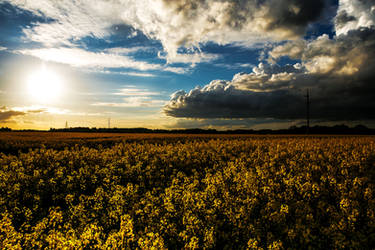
(187, 124)
(44, 86)
(188, 63)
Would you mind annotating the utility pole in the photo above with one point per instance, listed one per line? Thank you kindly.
(307, 111)
(66, 124)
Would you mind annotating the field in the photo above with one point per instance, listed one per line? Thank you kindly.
(13, 142)
(104, 191)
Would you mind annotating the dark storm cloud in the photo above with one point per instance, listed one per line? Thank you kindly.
(345, 104)
(219, 99)
(290, 15)
(232, 123)
(339, 72)
(247, 22)
(294, 14)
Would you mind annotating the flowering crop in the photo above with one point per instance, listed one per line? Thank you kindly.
(235, 192)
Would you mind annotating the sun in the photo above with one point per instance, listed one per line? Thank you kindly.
(44, 86)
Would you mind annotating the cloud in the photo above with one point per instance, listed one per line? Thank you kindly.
(128, 73)
(234, 65)
(266, 77)
(134, 98)
(70, 20)
(133, 102)
(127, 51)
(7, 114)
(345, 54)
(225, 124)
(178, 70)
(180, 23)
(3, 48)
(135, 92)
(353, 14)
(292, 49)
(36, 109)
(187, 23)
(193, 57)
(339, 73)
(220, 99)
(138, 74)
(81, 58)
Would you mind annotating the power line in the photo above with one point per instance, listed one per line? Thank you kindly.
(307, 111)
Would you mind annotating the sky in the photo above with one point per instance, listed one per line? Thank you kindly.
(171, 64)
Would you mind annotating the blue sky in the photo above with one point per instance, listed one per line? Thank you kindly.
(183, 64)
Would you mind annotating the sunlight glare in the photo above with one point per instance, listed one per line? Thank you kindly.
(44, 86)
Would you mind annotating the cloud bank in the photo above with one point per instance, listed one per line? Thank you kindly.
(339, 72)
(177, 23)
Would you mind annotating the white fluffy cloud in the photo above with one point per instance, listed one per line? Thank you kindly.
(127, 73)
(353, 14)
(81, 58)
(134, 98)
(292, 49)
(135, 92)
(267, 77)
(187, 23)
(342, 55)
(127, 51)
(133, 102)
(193, 58)
(69, 20)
